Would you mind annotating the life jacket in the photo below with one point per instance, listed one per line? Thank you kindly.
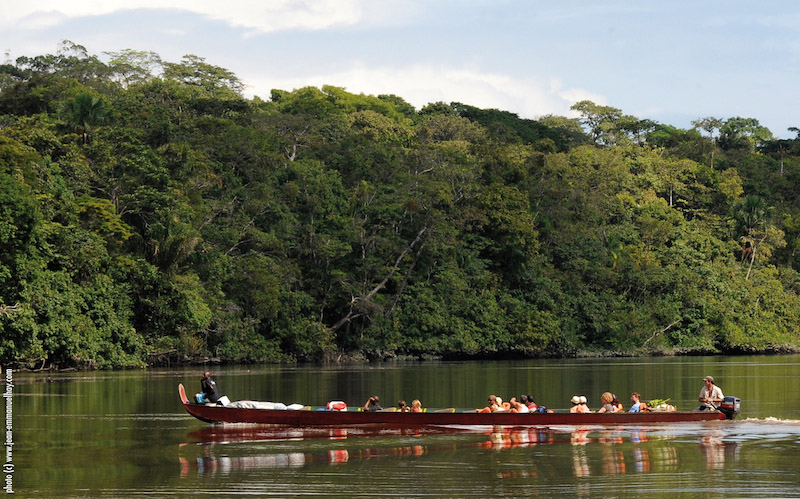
(336, 405)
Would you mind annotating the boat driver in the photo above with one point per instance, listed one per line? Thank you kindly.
(710, 395)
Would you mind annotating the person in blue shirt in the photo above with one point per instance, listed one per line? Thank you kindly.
(637, 404)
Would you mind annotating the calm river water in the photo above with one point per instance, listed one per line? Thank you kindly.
(125, 434)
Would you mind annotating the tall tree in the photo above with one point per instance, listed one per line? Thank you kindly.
(710, 125)
(601, 120)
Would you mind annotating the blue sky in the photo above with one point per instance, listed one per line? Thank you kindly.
(671, 61)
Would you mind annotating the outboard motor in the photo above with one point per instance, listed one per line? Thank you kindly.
(731, 407)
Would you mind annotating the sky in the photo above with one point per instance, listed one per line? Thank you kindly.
(671, 61)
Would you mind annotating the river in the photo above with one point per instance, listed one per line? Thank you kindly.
(125, 434)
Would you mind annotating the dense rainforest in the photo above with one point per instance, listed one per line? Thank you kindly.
(150, 212)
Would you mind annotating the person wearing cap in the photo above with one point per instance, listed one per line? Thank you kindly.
(492, 404)
(710, 395)
(576, 405)
(579, 405)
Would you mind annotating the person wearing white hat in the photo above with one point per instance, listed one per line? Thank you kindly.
(710, 395)
(579, 405)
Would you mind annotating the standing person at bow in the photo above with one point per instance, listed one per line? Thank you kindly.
(209, 388)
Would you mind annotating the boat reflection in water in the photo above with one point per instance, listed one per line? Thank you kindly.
(595, 451)
(209, 463)
(261, 433)
(620, 451)
(612, 459)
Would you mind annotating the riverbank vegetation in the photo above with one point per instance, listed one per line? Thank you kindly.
(149, 212)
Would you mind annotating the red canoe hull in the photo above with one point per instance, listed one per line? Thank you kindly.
(218, 414)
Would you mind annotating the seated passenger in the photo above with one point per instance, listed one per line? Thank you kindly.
(500, 406)
(584, 407)
(492, 403)
(373, 404)
(532, 406)
(636, 402)
(518, 406)
(606, 400)
(576, 405)
(402, 407)
(616, 403)
(416, 406)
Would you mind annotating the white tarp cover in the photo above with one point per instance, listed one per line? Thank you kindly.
(254, 404)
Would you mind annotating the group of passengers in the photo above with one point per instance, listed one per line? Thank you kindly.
(373, 404)
(416, 406)
(710, 396)
(523, 405)
(608, 403)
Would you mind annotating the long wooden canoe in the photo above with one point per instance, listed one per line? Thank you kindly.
(309, 417)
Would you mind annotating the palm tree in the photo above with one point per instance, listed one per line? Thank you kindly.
(752, 212)
(753, 216)
(82, 113)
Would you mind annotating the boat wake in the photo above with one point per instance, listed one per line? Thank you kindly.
(772, 420)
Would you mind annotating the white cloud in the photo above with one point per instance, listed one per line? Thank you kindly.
(573, 95)
(423, 84)
(256, 15)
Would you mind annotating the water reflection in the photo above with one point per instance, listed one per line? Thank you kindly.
(210, 464)
(716, 450)
(595, 452)
(262, 433)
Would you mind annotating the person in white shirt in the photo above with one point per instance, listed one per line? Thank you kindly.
(710, 395)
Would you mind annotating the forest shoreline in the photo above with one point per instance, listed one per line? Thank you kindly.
(151, 214)
(358, 359)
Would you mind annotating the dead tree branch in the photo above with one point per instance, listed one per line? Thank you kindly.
(7, 309)
(656, 333)
(350, 315)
